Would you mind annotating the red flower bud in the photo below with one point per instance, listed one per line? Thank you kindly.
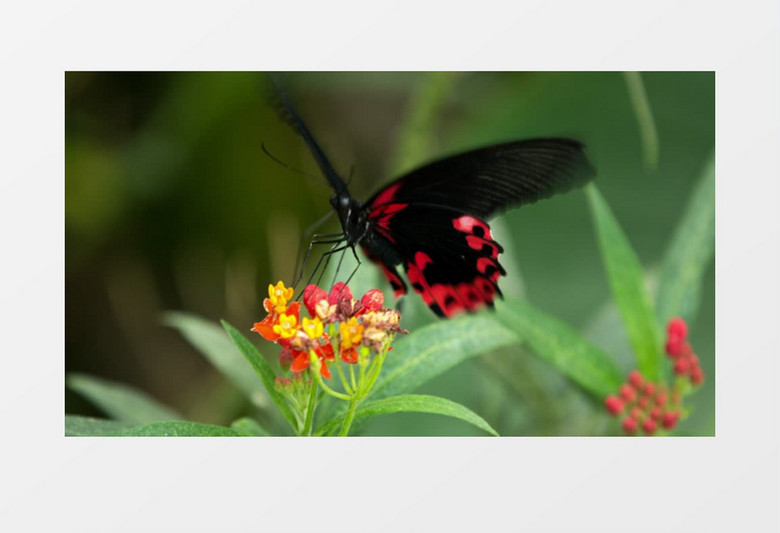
(677, 328)
(629, 425)
(655, 413)
(637, 413)
(643, 401)
(635, 379)
(312, 295)
(649, 426)
(675, 347)
(627, 392)
(286, 358)
(697, 376)
(340, 291)
(614, 404)
(669, 419)
(349, 356)
(681, 367)
(649, 388)
(373, 300)
(660, 399)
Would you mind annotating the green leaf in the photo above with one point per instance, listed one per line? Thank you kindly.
(562, 346)
(120, 401)
(84, 426)
(414, 403)
(249, 427)
(210, 340)
(690, 252)
(178, 428)
(262, 369)
(627, 281)
(644, 116)
(433, 349)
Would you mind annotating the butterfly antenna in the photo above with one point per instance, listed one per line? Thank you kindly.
(319, 156)
(288, 167)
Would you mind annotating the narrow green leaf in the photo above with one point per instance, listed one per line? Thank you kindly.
(431, 350)
(120, 401)
(690, 252)
(561, 346)
(178, 428)
(249, 427)
(415, 403)
(84, 426)
(644, 117)
(263, 369)
(211, 341)
(627, 281)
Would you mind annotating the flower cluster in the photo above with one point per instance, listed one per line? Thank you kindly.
(649, 405)
(645, 404)
(363, 323)
(686, 363)
(298, 339)
(358, 326)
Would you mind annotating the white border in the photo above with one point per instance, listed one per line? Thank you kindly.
(725, 483)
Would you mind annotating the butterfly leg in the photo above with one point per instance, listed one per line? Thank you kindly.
(326, 256)
(307, 235)
(328, 238)
(354, 271)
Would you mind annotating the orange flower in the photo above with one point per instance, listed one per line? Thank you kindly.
(349, 356)
(351, 333)
(278, 296)
(302, 360)
(287, 326)
(313, 327)
(266, 328)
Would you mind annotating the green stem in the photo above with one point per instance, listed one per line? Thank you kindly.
(352, 377)
(343, 377)
(374, 373)
(310, 410)
(349, 418)
(329, 390)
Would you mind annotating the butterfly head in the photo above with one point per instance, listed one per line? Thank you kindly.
(353, 217)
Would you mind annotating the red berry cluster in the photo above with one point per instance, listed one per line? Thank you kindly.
(646, 404)
(686, 363)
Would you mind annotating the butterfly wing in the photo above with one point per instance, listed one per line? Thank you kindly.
(432, 220)
(450, 257)
(484, 181)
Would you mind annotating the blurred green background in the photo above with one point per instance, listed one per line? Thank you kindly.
(171, 204)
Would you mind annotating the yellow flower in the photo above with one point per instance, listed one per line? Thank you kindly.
(351, 333)
(313, 327)
(279, 296)
(286, 326)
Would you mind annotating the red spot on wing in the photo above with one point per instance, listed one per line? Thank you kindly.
(381, 217)
(386, 196)
(450, 299)
(469, 224)
(477, 234)
(399, 289)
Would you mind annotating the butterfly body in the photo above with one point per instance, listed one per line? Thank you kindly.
(433, 221)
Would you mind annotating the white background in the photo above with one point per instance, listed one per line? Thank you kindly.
(724, 483)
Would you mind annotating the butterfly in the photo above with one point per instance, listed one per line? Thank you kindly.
(432, 221)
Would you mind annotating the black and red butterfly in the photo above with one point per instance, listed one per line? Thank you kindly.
(432, 221)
